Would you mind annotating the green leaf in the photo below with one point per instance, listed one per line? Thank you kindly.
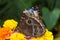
(50, 17)
(57, 4)
(51, 4)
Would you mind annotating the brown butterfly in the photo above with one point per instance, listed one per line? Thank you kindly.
(31, 26)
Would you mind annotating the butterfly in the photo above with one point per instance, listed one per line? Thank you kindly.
(31, 26)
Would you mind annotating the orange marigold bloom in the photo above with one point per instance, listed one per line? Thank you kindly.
(4, 33)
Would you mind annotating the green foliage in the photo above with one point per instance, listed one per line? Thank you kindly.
(51, 4)
(8, 10)
(24, 4)
(57, 37)
(57, 4)
(50, 17)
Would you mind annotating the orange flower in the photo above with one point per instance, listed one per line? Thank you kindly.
(4, 33)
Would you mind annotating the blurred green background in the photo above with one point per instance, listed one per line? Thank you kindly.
(50, 10)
